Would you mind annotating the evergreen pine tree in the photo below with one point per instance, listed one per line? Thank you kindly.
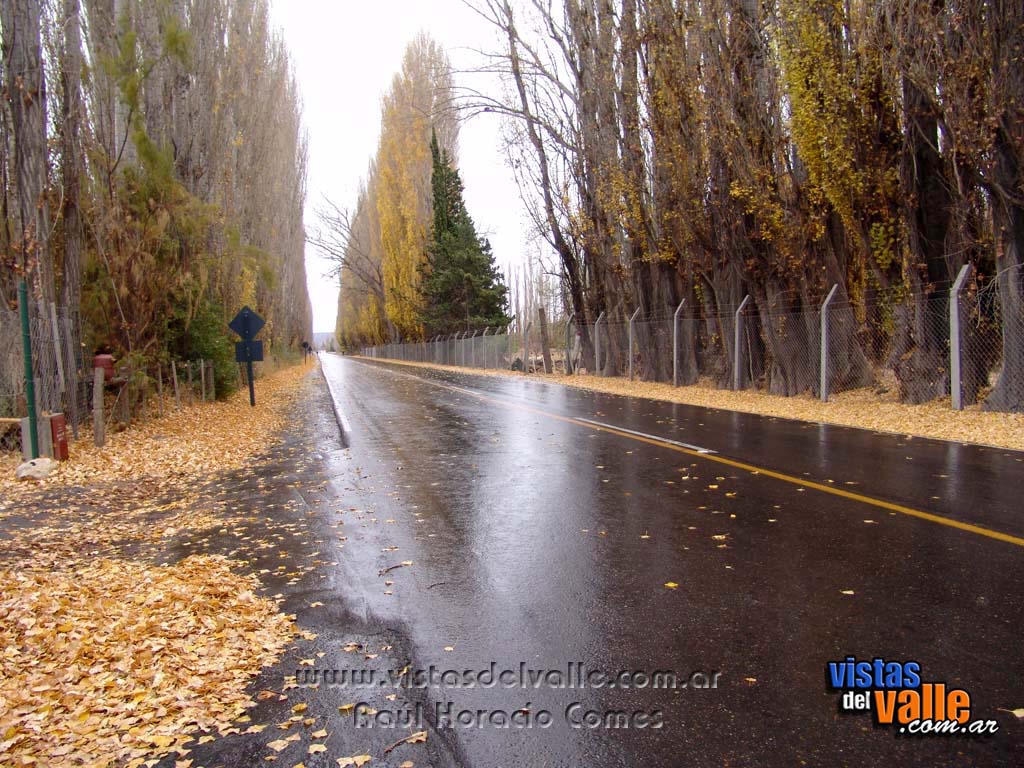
(462, 288)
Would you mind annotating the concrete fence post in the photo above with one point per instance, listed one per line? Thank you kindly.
(472, 350)
(57, 350)
(98, 431)
(632, 319)
(823, 366)
(956, 339)
(526, 346)
(174, 380)
(159, 387)
(737, 370)
(675, 344)
(597, 344)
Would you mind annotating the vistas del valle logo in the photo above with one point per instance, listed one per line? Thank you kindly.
(896, 697)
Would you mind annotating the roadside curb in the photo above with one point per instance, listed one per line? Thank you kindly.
(343, 427)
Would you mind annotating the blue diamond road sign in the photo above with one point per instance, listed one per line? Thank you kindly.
(247, 323)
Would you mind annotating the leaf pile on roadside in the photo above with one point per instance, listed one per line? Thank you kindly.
(119, 661)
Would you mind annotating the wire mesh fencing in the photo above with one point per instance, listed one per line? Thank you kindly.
(59, 379)
(964, 343)
(64, 380)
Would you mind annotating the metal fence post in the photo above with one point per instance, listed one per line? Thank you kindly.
(597, 344)
(956, 340)
(737, 371)
(823, 382)
(472, 350)
(675, 344)
(30, 382)
(483, 344)
(632, 318)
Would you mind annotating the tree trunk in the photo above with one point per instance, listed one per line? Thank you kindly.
(545, 342)
(1008, 222)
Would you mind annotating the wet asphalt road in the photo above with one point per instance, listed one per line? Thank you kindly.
(531, 529)
(538, 541)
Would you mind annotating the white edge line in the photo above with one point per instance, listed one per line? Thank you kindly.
(342, 421)
(473, 393)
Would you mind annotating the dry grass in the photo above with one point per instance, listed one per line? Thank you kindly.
(862, 408)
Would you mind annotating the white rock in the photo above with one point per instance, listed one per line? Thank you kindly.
(37, 469)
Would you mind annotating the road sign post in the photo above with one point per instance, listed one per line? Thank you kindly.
(249, 350)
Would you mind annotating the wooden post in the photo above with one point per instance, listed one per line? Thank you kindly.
(544, 344)
(160, 387)
(213, 383)
(174, 379)
(191, 387)
(202, 378)
(98, 434)
(126, 406)
(145, 397)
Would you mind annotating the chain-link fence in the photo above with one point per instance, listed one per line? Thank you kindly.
(65, 380)
(59, 376)
(964, 342)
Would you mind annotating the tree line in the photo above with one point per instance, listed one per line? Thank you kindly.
(705, 150)
(410, 261)
(153, 172)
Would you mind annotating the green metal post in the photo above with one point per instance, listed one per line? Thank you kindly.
(30, 384)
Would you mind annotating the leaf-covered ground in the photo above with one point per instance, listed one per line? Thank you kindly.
(862, 408)
(159, 595)
(118, 661)
(115, 650)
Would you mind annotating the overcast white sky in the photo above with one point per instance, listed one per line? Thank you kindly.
(345, 55)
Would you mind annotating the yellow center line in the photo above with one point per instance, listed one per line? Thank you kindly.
(753, 469)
